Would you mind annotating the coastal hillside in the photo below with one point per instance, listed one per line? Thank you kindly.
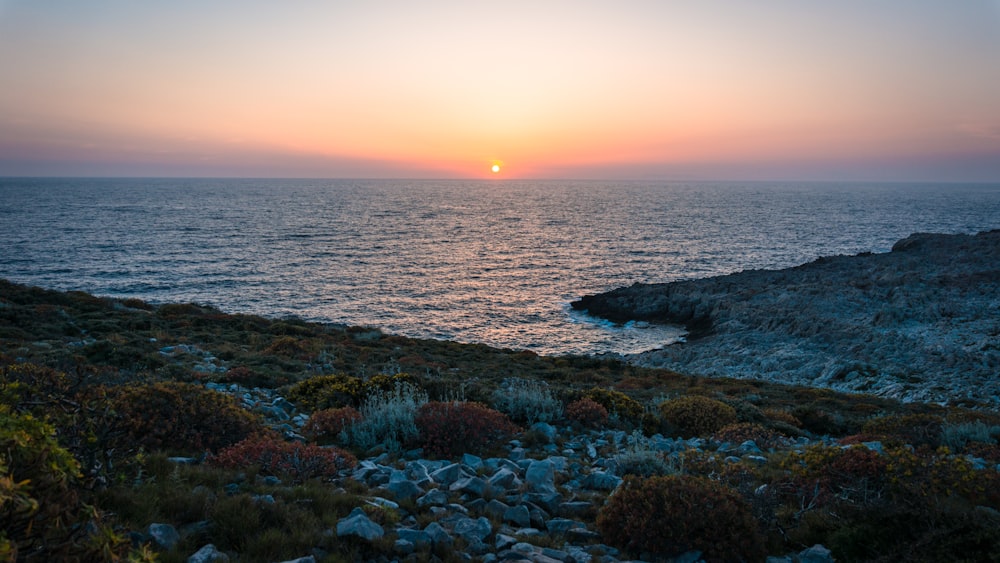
(132, 431)
(919, 323)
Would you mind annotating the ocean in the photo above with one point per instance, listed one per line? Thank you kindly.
(494, 262)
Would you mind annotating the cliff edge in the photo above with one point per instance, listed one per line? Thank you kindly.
(921, 322)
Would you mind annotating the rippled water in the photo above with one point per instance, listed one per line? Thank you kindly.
(474, 261)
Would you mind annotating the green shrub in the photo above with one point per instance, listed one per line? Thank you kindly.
(326, 426)
(179, 417)
(695, 415)
(42, 517)
(668, 516)
(448, 429)
(327, 392)
(526, 401)
(616, 403)
(588, 413)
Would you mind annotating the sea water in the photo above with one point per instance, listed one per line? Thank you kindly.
(494, 262)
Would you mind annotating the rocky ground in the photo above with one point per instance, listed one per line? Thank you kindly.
(920, 323)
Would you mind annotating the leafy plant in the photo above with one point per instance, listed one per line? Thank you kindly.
(299, 461)
(694, 415)
(388, 418)
(671, 515)
(325, 426)
(588, 413)
(616, 402)
(526, 401)
(448, 429)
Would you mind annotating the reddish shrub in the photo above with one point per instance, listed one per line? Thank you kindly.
(668, 516)
(587, 412)
(743, 431)
(326, 425)
(452, 428)
(299, 461)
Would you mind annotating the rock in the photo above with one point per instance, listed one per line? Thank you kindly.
(207, 554)
(545, 429)
(518, 516)
(467, 528)
(601, 481)
(436, 497)
(358, 524)
(306, 559)
(504, 478)
(472, 462)
(815, 554)
(418, 538)
(403, 547)
(164, 536)
(562, 525)
(439, 536)
(540, 476)
(447, 474)
(472, 485)
(504, 541)
(403, 490)
(555, 554)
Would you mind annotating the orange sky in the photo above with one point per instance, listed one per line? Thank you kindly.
(790, 89)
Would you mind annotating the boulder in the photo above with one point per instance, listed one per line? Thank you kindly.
(447, 474)
(439, 536)
(403, 490)
(418, 538)
(540, 476)
(208, 554)
(358, 524)
(518, 516)
(164, 536)
(436, 497)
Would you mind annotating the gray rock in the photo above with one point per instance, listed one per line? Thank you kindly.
(439, 536)
(403, 490)
(468, 528)
(418, 538)
(358, 524)
(306, 559)
(447, 474)
(496, 508)
(562, 525)
(164, 536)
(816, 554)
(436, 497)
(472, 485)
(472, 461)
(518, 516)
(556, 554)
(546, 430)
(504, 478)
(540, 476)
(403, 547)
(601, 481)
(207, 554)
(504, 541)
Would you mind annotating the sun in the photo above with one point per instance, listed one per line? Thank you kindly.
(495, 168)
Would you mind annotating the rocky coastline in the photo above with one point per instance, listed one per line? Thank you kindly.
(919, 323)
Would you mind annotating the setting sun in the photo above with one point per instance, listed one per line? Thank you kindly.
(496, 168)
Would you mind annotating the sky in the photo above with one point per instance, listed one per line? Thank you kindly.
(886, 90)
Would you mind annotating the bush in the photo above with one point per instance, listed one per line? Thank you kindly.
(299, 461)
(387, 418)
(742, 431)
(452, 428)
(616, 402)
(669, 516)
(587, 413)
(694, 415)
(526, 401)
(42, 517)
(913, 429)
(179, 416)
(325, 426)
(326, 392)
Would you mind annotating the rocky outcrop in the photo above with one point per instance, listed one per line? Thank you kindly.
(919, 323)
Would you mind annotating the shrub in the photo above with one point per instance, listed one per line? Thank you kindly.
(299, 461)
(640, 459)
(668, 516)
(824, 473)
(325, 426)
(616, 402)
(743, 431)
(957, 435)
(385, 383)
(326, 392)
(694, 415)
(587, 413)
(451, 428)
(914, 429)
(387, 418)
(180, 416)
(42, 517)
(526, 401)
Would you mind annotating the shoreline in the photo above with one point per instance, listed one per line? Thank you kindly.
(919, 323)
